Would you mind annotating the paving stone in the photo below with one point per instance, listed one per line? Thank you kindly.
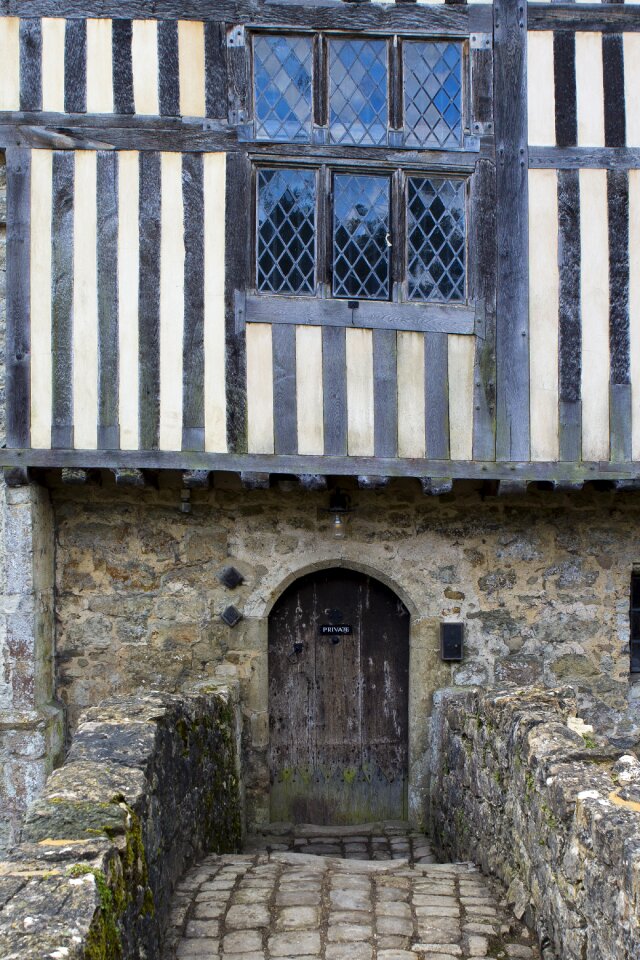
(300, 898)
(518, 950)
(349, 951)
(450, 949)
(392, 943)
(348, 932)
(297, 918)
(202, 928)
(202, 949)
(254, 955)
(242, 941)
(246, 916)
(393, 909)
(294, 944)
(395, 926)
(476, 946)
(208, 910)
(396, 955)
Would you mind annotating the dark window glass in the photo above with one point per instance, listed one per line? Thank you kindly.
(433, 93)
(358, 91)
(361, 237)
(286, 231)
(282, 68)
(436, 239)
(634, 639)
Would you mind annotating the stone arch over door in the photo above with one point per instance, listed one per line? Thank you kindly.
(338, 650)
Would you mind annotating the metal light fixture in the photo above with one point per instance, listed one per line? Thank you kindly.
(339, 508)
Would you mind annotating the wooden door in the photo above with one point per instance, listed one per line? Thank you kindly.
(338, 700)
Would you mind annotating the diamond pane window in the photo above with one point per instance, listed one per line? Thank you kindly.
(360, 237)
(282, 68)
(433, 94)
(436, 239)
(286, 231)
(358, 82)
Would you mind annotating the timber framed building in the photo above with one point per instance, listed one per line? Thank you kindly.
(279, 269)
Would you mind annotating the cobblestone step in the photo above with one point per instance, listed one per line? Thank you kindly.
(288, 904)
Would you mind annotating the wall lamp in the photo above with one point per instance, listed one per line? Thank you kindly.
(339, 509)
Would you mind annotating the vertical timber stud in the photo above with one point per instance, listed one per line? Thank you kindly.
(122, 33)
(62, 299)
(512, 320)
(149, 300)
(108, 374)
(18, 296)
(570, 327)
(237, 245)
(30, 64)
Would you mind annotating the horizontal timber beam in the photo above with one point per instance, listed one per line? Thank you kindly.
(602, 18)
(252, 464)
(447, 19)
(575, 158)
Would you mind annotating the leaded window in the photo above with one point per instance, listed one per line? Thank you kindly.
(436, 239)
(358, 85)
(286, 225)
(283, 87)
(361, 237)
(433, 93)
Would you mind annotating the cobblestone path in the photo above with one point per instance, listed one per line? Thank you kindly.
(357, 897)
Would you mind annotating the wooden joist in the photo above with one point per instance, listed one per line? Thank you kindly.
(436, 486)
(196, 479)
(312, 481)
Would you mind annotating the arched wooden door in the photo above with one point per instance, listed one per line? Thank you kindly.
(338, 700)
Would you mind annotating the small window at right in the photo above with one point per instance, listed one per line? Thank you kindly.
(634, 623)
(433, 94)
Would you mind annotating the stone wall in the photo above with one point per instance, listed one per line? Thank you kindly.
(542, 584)
(150, 784)
(537, 798)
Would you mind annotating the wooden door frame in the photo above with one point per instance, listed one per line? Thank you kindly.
(427, 673)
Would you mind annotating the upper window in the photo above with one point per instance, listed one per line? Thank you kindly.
(363, 91)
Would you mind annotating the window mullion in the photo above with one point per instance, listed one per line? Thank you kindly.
(398, 233)
(395, 92)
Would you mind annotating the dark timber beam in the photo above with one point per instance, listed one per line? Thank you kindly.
(256, 467)
(602, 18)
(312, 481)
(196, 479)
(512, 306)
(448, 20)
(436, 486)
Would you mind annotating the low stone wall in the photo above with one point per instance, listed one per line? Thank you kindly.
(149, 785)
(534, 797)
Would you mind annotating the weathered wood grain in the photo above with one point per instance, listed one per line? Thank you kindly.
(75, 66)
(193, 366)
(589, 90)
(618, 210)
(614, 91)
(370, 315)
(570, 330)
(309, 393)
(564, 66)
(40, 306)
(285, 416)
(99, 66)
(334, 376)
(482, 285)
(577, 158)
(215, 400)
(411, 394)
(556, 472)
(169, 68)
(541, 88)
(544, 296)
(215, 57)
(620, 421)
(436, 372)
(128, 298)
(123, 101)
(30, 64)
(594, 297)
(482, 91)
(634, 305)
(385, 393)
(433, 19)
(85, 302)
(145, 68)
(172, 302)
(595, 17)
(18, 294)
(512, 334)
(53, 33)
(237, 246)
(149, 300)
(62, 299)
(238, 78)
(107, 279)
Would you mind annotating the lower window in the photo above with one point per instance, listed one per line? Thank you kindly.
(396, 236)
